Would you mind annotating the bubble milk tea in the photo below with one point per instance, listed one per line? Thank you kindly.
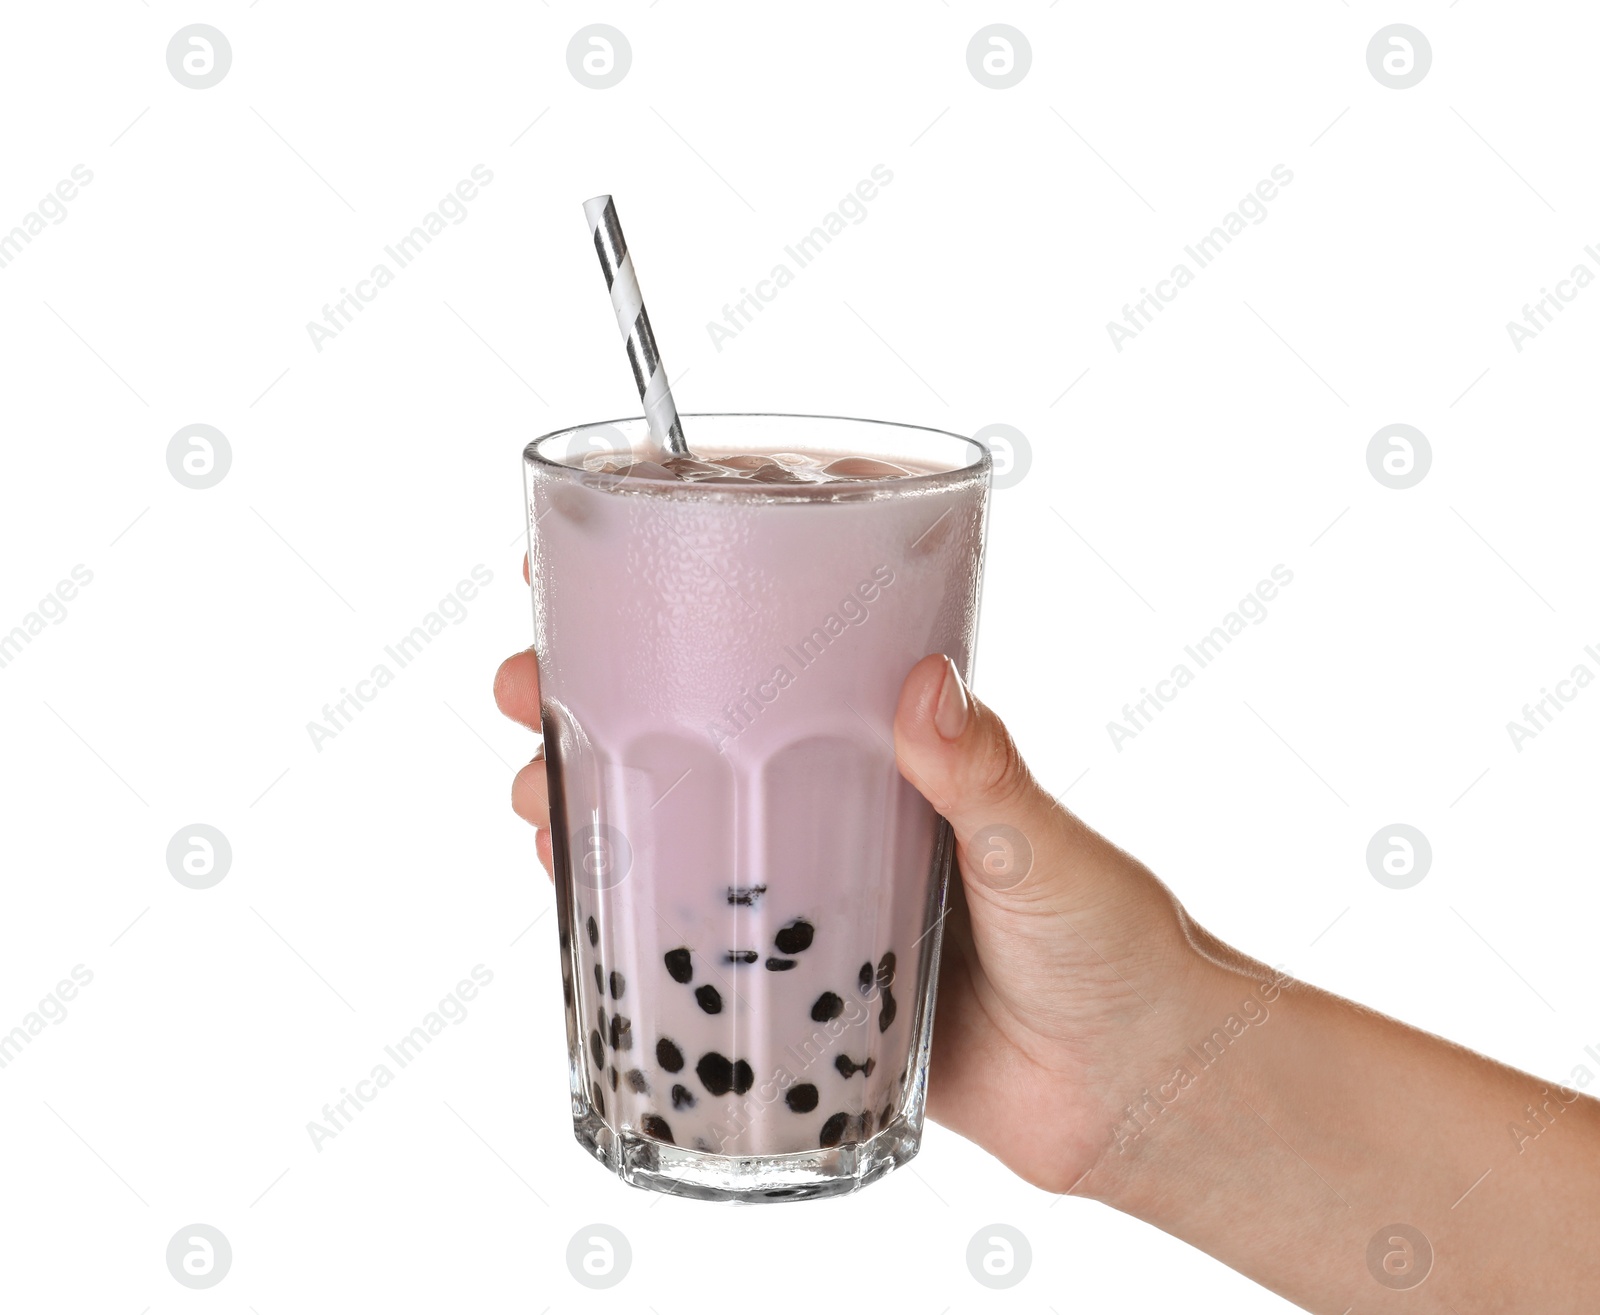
(749, 892)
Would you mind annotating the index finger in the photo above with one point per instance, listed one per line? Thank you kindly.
(516, 689)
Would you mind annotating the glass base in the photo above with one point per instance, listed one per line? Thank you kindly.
(702, 1176)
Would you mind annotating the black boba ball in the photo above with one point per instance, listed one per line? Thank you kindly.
(682, 1097)
(653, 1125)
(594, 932)
(833, 1130)
(887, 1012)
(720, 1075)
(680, 967)
(828, 1007)
(619, 984)
(668, 1055)
(710, 998)
(638, 1082)
(621, 1032)
(794, 938)
(716, 1073)
(801, 1099)
(597, 1048)
(599, 980)
(886, 969)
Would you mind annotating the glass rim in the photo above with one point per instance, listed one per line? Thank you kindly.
(981, 462)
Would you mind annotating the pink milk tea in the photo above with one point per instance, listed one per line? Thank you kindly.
(749, 892)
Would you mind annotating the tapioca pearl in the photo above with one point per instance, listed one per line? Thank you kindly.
(682, 1097)
(885, 1114)
(864, 979)
(619, 984)
(794, 938)
(827, 1008)
(715, 1073)
(801, 1099)
(710, 998)
(566, 991)
(637, 1081)
(849, 1068)
(611, 1075)
(866, 1124)
(886, 969)
(594, 931)
(597, 1049)
(887, 1011)
(721, 1075)
(600, 1013)
(621, 1032)
(680, 965)
(833, 1130)
(653, 1125)
(669, 1056)
(742, 956)
(779, 965)
(599, 980)
(599, 1104)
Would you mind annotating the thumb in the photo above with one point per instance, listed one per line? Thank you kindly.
(1011, 836)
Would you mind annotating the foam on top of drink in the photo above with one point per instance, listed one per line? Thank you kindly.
(748, 468)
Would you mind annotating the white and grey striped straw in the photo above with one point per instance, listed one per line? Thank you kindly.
(651, 376)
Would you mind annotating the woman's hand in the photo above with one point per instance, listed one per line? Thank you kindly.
(1096, 1040)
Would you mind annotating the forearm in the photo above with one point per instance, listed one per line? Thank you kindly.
(1295, 1128)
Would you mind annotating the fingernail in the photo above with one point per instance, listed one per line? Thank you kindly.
(950, 716)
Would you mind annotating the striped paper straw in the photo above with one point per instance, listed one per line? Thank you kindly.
(651, 376)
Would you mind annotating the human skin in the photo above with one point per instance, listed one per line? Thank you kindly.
(1098, 1041)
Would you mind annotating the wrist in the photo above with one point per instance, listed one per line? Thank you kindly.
(1170, 1111)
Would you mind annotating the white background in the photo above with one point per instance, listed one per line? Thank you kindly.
(369, 477)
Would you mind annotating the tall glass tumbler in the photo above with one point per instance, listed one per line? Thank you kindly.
(749, 893)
